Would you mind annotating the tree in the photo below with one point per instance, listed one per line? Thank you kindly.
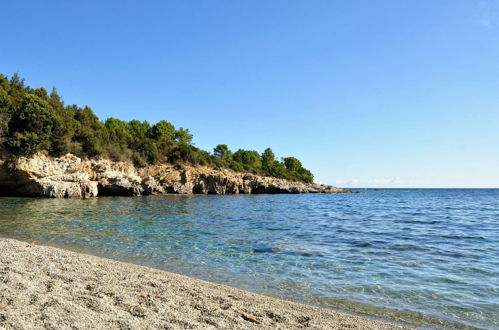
(55, 99)
(138, 130)
(249, 159)
(88, 132)
(118, 130)
(222, 152)
(4, 106)
(163, 132)
(41, 93)
(278, 170)
(268, 160)
(65, 126)
(16, 81)
(292, 164)
(17, 92)
(238, 167)
(62, 134)
(306, 176)
(30, 127)
(183, 136)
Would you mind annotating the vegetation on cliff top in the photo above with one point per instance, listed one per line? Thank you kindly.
(33, 120)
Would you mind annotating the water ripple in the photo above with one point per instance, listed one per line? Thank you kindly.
(428, 256)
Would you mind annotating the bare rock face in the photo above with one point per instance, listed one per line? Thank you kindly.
(70, 176)
(46, 177)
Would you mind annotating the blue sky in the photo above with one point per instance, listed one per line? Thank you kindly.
(365, 93)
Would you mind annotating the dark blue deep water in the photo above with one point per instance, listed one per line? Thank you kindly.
(425, 256)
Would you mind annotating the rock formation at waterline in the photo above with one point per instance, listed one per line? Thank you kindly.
(71, 176)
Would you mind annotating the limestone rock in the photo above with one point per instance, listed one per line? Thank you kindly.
(71, 176)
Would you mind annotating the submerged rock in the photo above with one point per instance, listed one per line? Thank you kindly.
(71, 176)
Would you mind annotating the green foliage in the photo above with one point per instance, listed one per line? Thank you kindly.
(278, 170)
(222, 152)
(292, 164)
(4, 106)
(238, 167)
(268, 161)
(138, 130)
(118, 131)
(250, 160)
(163, 132)
(33, 120)
(88, 132)
(296, 172)
(31, 127)
(183, 136)
(17, 92)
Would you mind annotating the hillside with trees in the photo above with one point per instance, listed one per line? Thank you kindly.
(33, 120)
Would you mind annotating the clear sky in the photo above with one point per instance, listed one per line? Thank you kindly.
(365, 93)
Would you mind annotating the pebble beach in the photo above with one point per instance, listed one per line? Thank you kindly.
(49, 288)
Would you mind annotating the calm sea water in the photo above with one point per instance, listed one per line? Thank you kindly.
(428, 256)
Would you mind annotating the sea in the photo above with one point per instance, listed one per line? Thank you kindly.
(424, 257)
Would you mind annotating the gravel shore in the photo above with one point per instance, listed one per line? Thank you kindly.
(49, 288)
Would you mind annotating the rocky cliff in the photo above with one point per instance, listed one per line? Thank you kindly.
(70, 176)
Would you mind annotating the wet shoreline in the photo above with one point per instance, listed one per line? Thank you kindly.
(50, 287)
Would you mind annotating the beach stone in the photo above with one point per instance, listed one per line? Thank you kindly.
(108, 294)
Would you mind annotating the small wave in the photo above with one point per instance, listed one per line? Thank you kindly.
(362, 244)
(412, 318)
(287, 252)
(265, 250)
(409, 247)
(477, 238)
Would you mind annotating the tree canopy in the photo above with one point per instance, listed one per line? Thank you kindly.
(33, 120)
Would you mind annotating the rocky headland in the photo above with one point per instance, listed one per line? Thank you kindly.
(71, 176)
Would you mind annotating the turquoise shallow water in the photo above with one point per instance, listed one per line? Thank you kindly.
(428, 256)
